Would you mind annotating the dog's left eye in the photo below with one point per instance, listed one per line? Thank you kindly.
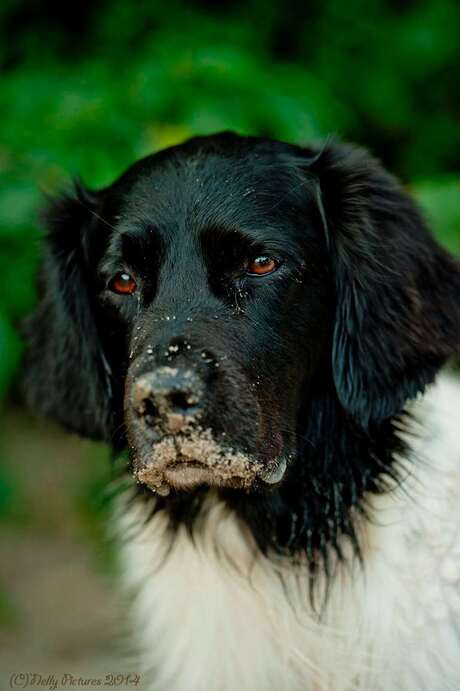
(261, 265)
(123, 284)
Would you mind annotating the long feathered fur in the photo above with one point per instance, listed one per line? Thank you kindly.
(284, 581)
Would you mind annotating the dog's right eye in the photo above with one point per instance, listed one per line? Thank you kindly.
(123, 284)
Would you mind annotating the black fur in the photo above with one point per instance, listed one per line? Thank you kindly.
(320, 358)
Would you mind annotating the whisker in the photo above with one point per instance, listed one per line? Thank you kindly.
(95, 214)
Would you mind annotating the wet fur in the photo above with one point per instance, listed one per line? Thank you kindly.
(210, 611)
(363, 318)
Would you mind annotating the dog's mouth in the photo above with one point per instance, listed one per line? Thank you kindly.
(188, 460)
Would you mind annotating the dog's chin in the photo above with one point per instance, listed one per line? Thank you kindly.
(186, 461)
(186, 475)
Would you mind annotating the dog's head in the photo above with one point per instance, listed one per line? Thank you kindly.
(195, 308)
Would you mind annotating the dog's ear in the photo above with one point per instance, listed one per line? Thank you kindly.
(397, 291)
(66, 376)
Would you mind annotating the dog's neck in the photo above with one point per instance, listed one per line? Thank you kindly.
(311, 516)
(212, 611)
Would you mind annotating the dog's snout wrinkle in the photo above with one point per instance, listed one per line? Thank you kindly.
(169, 397)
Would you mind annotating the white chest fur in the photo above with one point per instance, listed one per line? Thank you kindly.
(213, 614)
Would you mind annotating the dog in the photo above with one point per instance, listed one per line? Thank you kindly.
(266, 328)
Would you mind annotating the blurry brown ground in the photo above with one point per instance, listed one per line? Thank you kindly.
(60, 610)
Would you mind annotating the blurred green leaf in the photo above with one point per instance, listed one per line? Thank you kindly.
(440, 200)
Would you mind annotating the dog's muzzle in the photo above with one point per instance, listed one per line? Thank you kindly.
(174, 446)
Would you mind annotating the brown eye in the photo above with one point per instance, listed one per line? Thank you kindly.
(262, 265)
(123, 284)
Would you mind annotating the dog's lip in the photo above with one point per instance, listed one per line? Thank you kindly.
(178, 465)
(188, 474)
(185, 474)
(173, 463)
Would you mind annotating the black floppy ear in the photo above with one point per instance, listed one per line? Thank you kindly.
(66, 374)
(397, 290)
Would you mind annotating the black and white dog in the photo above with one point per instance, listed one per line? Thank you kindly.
(263, 326)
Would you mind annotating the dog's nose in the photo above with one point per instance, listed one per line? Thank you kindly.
(168, 397)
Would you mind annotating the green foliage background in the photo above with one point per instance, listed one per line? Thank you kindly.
(89, 86)
(87, 89)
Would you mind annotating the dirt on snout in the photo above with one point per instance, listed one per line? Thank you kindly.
(197, 446)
